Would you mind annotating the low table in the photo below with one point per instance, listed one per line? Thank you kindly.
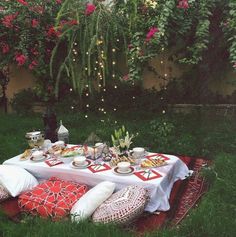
(159, 188)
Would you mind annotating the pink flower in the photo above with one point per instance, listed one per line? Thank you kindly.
(34, 23)
(52, 32)
(90, 8)
(5, 48)
(151, 33)
(7, 20)
(20, 59)
(183, 4)
(33, 65)
(58, 1)
(23, 2)
(234, 66)
(125, 77)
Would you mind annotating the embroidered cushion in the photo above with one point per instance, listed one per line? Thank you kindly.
(52, 198)
(87, 204)
(4, 194)
(123, 206)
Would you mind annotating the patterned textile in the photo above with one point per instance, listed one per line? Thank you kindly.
(3, 194)
(123, 206)
(53, 198)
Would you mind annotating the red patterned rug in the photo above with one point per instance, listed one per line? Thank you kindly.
(184, 196)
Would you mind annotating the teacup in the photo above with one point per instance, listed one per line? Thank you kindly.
(37, 155)
(123, 166)
(80, 160)
(138, 152)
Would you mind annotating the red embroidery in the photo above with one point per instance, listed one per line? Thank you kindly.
(53, 198)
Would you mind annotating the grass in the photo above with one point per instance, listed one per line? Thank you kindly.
(193, 135)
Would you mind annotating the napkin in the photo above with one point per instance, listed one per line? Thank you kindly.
(146, 175)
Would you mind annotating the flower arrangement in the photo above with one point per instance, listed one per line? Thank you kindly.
(122, 140)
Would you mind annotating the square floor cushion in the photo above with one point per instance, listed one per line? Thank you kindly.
(123, 206)
(53, 198)
(4, 194)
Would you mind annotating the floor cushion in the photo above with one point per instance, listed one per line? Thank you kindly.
(4, 194)
(123, 206)
(53, 198)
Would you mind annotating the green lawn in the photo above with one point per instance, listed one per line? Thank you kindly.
(194, 135)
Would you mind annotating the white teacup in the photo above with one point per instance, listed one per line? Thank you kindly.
(138, 152)
(80, 160)
(123, 166)
(37, 155)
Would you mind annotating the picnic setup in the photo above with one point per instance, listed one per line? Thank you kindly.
(117, 118)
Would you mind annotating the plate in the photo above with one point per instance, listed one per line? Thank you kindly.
(128, 172)
(83, 166)
(44, 157)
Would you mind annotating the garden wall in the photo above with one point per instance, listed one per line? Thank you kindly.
(20, 78)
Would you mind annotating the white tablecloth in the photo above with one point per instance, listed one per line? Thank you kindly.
(159, 188)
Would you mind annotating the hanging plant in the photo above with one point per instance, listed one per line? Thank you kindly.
(91, 44)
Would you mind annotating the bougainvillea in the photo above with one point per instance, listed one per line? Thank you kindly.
(27, 33)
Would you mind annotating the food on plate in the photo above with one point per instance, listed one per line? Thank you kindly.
(115, 161)
(68, 152)
(149, 163)
(26, 155)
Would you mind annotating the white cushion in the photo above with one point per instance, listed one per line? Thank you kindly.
(16, 180)
(91, 200)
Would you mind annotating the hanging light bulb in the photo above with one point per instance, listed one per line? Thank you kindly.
(113, 50)
(86, 69)
(102, 100)
(104, 112)
(71, 89)
(163, 49)
(163, 111)
(115, 86)
(75, 43)
(73, 59)
(72, 107)
(86, 116)
(104, 89)
(87, 53)
(100, 85)
(87, 85)
(114, 109)
(113, 75)
(165, 75)
(87, 105)
(87, 94)
(162, 62)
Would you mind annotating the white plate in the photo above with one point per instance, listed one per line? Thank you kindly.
(83, 166)
(128, 172)
(44, 157)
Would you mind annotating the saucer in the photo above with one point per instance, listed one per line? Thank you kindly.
(40, 159)
(128, 172)
(82, 166)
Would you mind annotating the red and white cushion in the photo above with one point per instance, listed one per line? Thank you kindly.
(4, 194)
(123, 206)
(53, 198)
